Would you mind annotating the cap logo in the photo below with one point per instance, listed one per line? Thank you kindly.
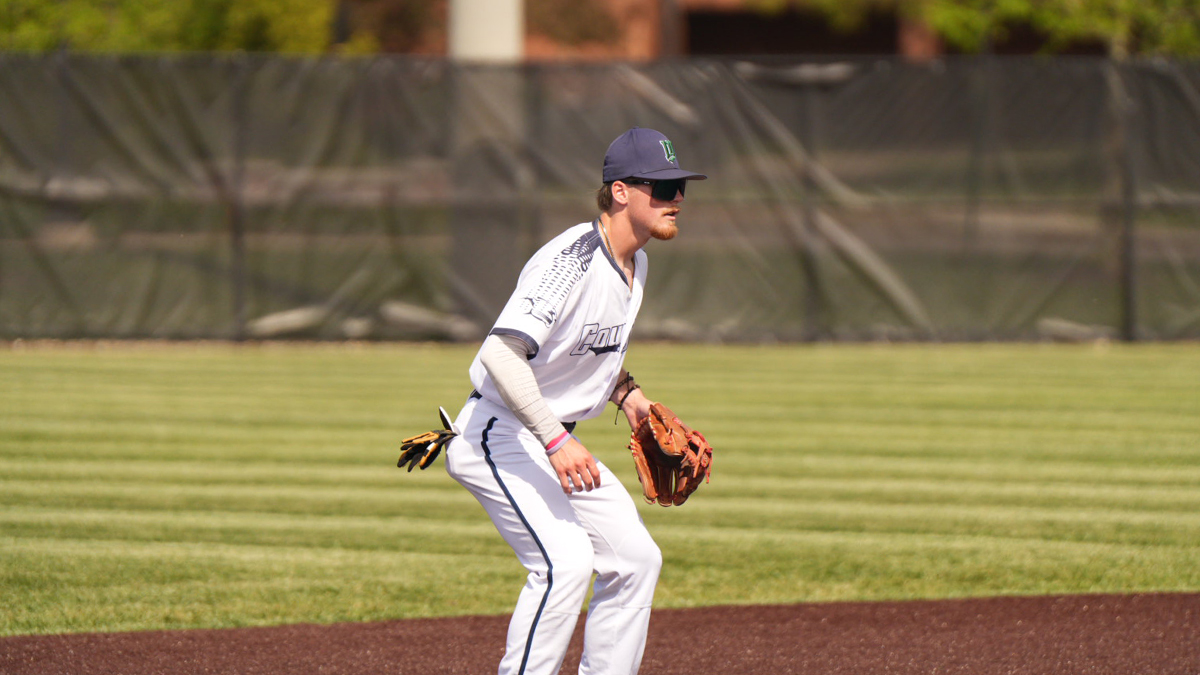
(668, 149)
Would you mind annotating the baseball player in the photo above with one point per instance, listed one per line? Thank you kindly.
(553, 358)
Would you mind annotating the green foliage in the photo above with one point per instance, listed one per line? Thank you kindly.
(290, 26)
(970, 25)
(1128, 27)
(148, 486)
(1149, 27)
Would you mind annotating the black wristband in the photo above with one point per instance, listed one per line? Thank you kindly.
(628, 378)
(627, 393)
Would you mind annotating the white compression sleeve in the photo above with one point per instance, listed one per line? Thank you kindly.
(505, 359)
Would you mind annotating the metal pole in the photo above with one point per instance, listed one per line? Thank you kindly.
(487, 30)
(488, 166)
(1127, 263)
(811, 79)
(813, 319)
(234, 207)
(983, 79)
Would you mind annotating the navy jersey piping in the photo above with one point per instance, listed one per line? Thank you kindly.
(531, 345)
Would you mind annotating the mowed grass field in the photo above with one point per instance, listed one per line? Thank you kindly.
(147, 486)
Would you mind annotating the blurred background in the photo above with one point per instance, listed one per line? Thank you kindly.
(908, 170)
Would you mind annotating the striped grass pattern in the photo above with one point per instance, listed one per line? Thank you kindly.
(147, 486)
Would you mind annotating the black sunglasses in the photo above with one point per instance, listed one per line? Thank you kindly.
(662, 190)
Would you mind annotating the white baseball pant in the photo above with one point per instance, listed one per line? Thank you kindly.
(562, 540)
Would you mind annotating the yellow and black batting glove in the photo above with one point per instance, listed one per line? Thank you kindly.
(422, 449)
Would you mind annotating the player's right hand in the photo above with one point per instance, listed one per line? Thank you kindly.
(576, 467)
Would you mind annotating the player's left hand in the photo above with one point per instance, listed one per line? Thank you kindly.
(671, 458)
(576, 467)
(636, 407)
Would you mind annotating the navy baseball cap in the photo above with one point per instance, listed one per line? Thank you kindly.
(644, 153)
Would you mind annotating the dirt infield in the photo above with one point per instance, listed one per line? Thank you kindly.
(1153, 634)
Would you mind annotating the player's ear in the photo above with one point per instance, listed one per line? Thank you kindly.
(620, 192)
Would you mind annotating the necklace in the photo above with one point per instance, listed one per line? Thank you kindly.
(604, 233)
(611, 252)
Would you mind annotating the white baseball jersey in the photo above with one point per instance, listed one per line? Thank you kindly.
(574, 308)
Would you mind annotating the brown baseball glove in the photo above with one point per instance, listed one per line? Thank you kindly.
(671, 458)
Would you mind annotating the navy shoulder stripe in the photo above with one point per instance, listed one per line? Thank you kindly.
(531, 345)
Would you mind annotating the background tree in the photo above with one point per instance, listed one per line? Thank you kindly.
(1126, 27)
(290, 26)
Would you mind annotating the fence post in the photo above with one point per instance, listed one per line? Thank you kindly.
(490, 176)
(812, 80)
(814, 324)
(233, 203)
(982, 101)
(1127, 257)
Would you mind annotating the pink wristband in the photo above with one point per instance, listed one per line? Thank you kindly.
(557, 443)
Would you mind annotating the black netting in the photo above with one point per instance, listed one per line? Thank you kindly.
(397, 198)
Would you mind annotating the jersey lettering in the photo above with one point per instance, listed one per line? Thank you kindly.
(599, 340)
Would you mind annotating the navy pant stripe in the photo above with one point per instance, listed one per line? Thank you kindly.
(487, 454)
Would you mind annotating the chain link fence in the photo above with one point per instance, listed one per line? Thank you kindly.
(243, 197)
